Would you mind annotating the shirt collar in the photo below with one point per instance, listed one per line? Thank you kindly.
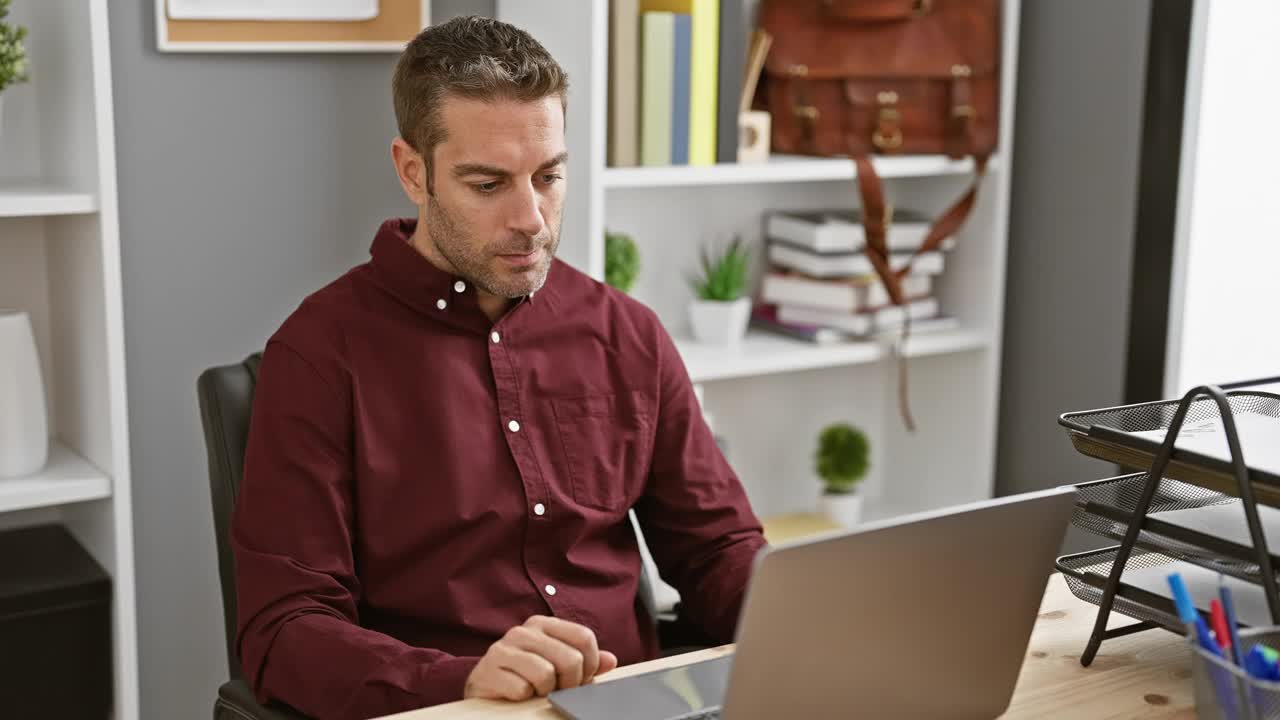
(414, 278)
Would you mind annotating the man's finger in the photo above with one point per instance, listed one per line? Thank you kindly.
(494, 683)
(508, 685)
(538, 671)
(608, 661)
(577, 636)
(567, 659)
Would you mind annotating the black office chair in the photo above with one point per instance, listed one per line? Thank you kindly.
(226, 401)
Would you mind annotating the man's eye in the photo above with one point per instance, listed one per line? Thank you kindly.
(486, 187)
(550, 178)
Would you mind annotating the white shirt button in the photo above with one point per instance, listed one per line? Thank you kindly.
(459, 286)
(442, 304)
(551, 589)
(514, 426)
(539, 509)
(495, 337)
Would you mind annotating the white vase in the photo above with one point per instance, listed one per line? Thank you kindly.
(843, 509)
(24, 422)
(718, 322)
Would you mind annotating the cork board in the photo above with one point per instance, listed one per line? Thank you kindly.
(397, 22)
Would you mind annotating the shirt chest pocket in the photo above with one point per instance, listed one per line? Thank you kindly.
(607, 441)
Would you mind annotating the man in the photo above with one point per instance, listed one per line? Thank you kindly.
(446, 441)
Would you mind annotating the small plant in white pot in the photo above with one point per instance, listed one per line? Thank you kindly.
(720, 310)
(842, 460)
(13, 57)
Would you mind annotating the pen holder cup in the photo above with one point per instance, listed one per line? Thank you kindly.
(1224, 691)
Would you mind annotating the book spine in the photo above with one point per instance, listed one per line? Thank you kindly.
(681, 82)
(733, 63)
(704, 77)
(816, 237)
(624, 83)
(655, 93)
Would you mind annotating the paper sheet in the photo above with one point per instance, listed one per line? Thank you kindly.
(1227, 522)
(273, 9)
(1259, 440)
(1250, 603)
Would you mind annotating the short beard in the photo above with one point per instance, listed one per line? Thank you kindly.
(455, 243)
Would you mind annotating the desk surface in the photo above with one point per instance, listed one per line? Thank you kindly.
(1144, 675)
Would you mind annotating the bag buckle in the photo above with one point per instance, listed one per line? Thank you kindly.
(805, 112)
(961, 106)
(888, 133)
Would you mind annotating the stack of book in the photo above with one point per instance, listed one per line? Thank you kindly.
(821, 285)
(676, 71)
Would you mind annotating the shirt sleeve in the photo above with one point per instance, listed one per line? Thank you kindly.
(299, 635)
(694, 513)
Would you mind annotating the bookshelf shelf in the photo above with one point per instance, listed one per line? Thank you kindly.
(67, 478)
(765, 353)
(60, 263)
(781, 169)
(37, 200)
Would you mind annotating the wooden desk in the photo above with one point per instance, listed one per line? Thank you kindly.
(1145, 675)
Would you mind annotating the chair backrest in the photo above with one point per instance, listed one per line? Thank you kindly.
(226, 405)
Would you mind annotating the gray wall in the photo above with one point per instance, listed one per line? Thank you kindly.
(246, 181)
(1074, 190)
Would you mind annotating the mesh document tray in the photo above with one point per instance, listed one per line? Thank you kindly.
(1086, 574)
(1104, 434)
(1105, 507)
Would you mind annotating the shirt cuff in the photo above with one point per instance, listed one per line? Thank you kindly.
(446, 679)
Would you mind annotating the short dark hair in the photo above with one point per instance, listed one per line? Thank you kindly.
(470, 57)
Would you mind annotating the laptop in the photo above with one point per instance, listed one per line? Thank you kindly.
(922, 616)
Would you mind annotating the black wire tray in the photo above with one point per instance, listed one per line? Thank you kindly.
(1086, 574)
(1147, 541)
(1105, 434)
(1105, 508)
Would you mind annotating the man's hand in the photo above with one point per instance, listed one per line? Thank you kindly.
(543, 654)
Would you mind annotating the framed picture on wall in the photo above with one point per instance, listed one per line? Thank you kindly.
(289, 25)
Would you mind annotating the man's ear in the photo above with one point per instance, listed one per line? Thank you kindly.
(413, 171)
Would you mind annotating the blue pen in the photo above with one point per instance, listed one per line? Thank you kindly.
(1204, 638)
(1229, 609)
(1182, 600)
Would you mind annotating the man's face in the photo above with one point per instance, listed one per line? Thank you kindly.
(499, 185)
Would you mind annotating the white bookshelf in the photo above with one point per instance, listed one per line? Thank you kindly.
(781, 168)
(67, 478)
(765, 353)
(769, 397)
(40, 200)
(60, 262)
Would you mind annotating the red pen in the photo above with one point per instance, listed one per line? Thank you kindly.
(1219, 620)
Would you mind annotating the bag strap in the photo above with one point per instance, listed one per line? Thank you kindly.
(877, 216)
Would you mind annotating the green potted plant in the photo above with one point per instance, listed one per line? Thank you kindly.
(621, 260)
(13, 56)
(842, 459)
(720, 309)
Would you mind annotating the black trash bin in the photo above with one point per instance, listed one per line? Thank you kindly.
(55, 627)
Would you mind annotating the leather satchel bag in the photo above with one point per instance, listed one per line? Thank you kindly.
(858, 78)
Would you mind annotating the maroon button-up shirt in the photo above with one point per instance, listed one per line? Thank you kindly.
(420, 479)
